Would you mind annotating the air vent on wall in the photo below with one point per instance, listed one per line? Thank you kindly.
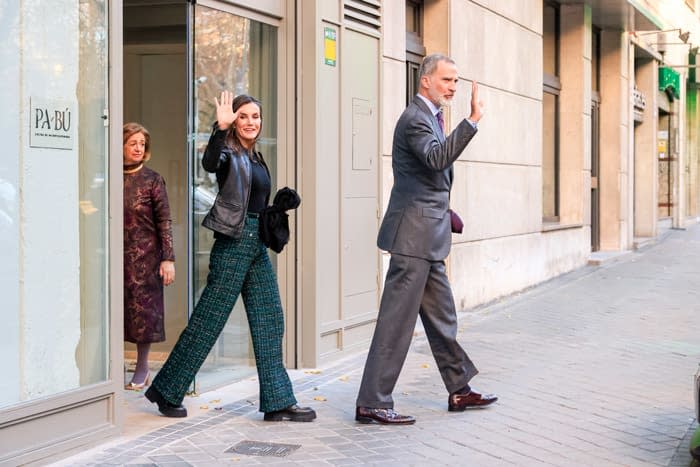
(363, 13)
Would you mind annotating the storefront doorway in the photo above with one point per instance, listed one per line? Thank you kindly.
(177, 57)
(666, 166)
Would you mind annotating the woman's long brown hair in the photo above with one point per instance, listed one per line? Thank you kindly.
(231, 136)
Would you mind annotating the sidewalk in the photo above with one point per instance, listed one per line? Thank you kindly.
(593, 368)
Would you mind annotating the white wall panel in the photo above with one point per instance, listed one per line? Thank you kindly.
(328, 196)
(10, 119)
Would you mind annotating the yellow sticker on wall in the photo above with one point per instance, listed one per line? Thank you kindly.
(329, 46)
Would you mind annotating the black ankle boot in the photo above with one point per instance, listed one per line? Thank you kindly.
(293, 413)
(165, 407)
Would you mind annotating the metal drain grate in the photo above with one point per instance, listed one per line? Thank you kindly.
(260, 448)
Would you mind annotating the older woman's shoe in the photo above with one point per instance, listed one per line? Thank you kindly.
(138, 386)
(293, 413)
(165, 407)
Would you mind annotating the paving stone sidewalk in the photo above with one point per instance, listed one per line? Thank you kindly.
(593, 368)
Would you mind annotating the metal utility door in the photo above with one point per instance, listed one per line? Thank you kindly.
(359, 202)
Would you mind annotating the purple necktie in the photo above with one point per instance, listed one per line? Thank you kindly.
(441, 121)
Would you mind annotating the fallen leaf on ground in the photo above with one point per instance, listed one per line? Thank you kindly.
(204, 407)
(344, 378)
(313, 372)
(320, 398)
(215, 401)
(425, 365)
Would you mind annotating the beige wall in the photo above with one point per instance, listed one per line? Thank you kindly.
(575, 114)
(679, 209)
(693, 162)
(498, 184)
(645, 157)
(614, 127)
(498, 180)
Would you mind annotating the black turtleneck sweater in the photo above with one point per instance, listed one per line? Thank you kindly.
(259, 188)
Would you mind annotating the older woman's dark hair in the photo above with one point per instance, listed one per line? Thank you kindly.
(130, 129)
(231, 137)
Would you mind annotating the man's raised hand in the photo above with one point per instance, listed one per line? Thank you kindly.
(476, 104)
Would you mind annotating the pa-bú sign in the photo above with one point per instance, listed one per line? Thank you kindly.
(51, 123)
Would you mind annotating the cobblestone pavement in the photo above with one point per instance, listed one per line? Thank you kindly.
(593, 368)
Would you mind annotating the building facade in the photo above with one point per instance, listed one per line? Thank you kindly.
(589, 143)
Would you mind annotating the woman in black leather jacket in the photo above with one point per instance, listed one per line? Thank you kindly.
(239, 265)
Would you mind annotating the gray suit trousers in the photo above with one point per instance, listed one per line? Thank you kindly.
(413, 286)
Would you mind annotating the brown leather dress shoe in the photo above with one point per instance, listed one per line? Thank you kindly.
(385, 416)
(458, 402)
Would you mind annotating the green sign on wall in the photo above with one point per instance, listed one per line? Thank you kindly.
(670, 80)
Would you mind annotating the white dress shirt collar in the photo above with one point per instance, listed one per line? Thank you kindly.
(430, 105)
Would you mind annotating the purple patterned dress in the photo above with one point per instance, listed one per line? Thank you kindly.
(148, 240)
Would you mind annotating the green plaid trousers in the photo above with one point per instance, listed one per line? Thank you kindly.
(236, 267)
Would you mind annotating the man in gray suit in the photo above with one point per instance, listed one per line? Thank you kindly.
(416, 230)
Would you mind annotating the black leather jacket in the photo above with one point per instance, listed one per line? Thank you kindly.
(234, 176)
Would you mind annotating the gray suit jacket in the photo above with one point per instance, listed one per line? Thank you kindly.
(416, 222)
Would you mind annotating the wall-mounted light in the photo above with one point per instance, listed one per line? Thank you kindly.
(683, 36)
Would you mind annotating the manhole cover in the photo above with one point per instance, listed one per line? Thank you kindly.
(260, 448)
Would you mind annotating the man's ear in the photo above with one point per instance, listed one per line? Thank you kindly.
(425, 82)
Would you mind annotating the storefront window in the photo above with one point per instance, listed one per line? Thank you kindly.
(53, 197)
(550, 114)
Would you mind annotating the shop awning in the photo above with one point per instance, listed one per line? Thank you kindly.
(670, 81)
(627, 15)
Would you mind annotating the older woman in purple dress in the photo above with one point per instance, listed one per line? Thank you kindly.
(149, 261)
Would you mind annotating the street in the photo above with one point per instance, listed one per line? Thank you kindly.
(593, 368)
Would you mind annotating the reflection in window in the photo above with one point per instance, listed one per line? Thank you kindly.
(550, 39)
(91, 353)
(550, 114)
(53, 223)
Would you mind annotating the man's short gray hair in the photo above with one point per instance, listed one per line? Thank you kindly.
(430, 63)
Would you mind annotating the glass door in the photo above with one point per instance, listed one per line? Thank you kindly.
(234, 53)
(156, 95)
